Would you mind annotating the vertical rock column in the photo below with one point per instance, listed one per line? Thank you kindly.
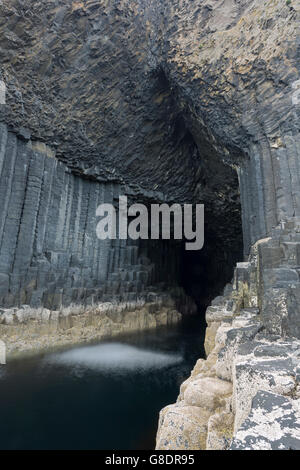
(50, 255)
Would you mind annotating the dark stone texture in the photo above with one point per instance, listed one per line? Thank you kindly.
(164, 101)
(272, 350)
(50, 255)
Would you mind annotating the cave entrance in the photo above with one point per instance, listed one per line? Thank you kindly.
(201, 274)
(205, 273)
(204, 171)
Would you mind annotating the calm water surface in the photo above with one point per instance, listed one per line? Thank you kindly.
(101, 396)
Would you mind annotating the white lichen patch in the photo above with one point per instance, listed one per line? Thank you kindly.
(273, 423)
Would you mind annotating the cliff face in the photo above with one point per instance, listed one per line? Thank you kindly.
(55, 274)
(162, 101)
(90, 81)
(50, 255)
(246, 394)
(180, 88)
(236, 67)
(172, 101)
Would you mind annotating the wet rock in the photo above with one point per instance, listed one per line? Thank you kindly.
(27, 330)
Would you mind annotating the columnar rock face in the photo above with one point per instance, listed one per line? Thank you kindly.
(92, 114)
(246, 394)
(49, 252)
(58, 282)
(236, 67)
(91, 80)
(164, 101)
(181, 88)
(173, 98)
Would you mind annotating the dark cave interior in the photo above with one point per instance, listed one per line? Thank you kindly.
(209, 177)
(202, 274)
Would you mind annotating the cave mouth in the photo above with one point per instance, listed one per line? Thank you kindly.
(207, 170)
(202, 274)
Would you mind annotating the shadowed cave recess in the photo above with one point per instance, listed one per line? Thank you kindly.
(64, 250)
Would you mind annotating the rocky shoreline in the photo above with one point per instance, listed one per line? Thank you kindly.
(246, 394)
(28, 331)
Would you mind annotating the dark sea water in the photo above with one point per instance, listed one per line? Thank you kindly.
(101, 396)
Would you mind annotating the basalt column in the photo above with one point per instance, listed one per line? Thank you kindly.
(49, 253)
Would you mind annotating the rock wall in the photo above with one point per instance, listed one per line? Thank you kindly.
(269, 181)
(29, 330)
(49, 252)
(172, 98)
(246, 394)
(55, 274)
(178, 101)
(91, 79)
(52, 265)
(88, 80)
(169, 97)
(235, 68)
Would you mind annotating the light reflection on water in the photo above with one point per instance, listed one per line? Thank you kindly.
(114, 358)
(101, 396)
